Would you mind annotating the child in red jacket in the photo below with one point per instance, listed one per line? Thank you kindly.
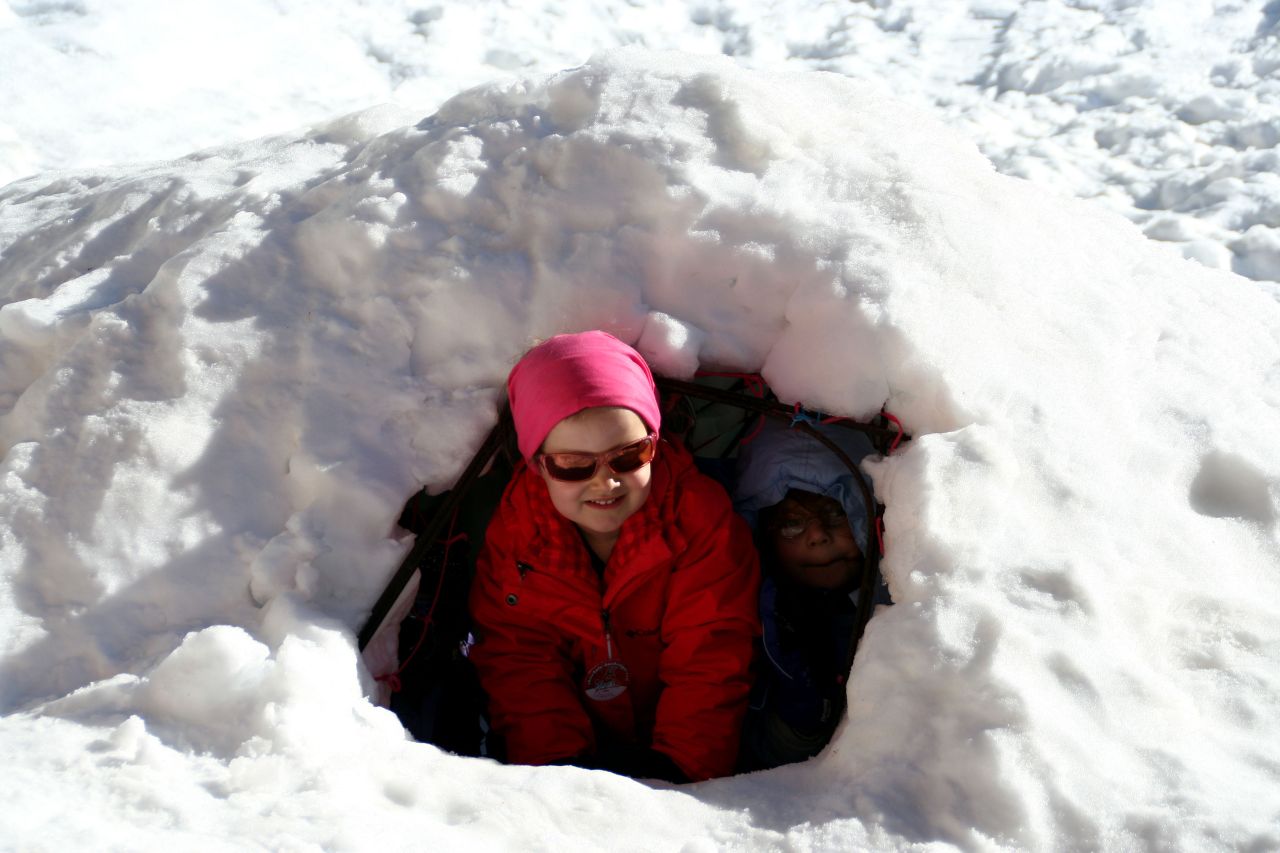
(615, 597)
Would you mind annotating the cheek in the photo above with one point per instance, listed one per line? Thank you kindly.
(844, 538)
(638, 482)
(565, 497)
(789, 551)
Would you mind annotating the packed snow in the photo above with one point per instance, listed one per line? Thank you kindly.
(1167, 112)
(221, 376)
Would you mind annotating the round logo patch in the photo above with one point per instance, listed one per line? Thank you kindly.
(607, 680)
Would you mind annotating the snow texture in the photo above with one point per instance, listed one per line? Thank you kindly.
(1167, 112)
(220, 376)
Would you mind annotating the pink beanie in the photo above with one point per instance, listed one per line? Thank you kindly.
(568, 373)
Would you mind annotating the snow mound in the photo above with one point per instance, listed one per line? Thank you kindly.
(221, 376)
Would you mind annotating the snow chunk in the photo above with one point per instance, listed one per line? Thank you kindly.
(670, 346)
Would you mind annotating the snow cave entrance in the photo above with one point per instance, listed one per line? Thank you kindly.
(416, 639)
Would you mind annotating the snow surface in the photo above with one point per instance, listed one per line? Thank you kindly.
(1168, 112)
(220, 376)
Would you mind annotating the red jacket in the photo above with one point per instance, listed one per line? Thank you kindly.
(678, 597)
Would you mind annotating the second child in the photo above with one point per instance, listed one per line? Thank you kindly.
(811, 523)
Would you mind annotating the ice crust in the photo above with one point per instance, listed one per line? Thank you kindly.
(221, 376)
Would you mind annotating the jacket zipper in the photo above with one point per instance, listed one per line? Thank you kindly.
(608, 634)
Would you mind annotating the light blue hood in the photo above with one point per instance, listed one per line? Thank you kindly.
(780, 458)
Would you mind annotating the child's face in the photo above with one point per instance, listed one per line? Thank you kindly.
(823, 554)
(601, 504)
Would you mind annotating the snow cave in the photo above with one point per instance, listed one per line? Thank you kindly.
(223, 375)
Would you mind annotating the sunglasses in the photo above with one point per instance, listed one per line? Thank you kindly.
(792, 526)
(579, 467)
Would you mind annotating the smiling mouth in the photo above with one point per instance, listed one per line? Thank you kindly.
(605, 503)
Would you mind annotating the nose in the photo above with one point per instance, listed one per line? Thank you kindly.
(815, 533)
(605, 479)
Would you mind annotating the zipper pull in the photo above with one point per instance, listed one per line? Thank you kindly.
(608, 633)
(609, 678)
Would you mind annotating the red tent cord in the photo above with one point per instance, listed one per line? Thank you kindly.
(755, 431)
(755, 387)
(753, 381)
(897, 439)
